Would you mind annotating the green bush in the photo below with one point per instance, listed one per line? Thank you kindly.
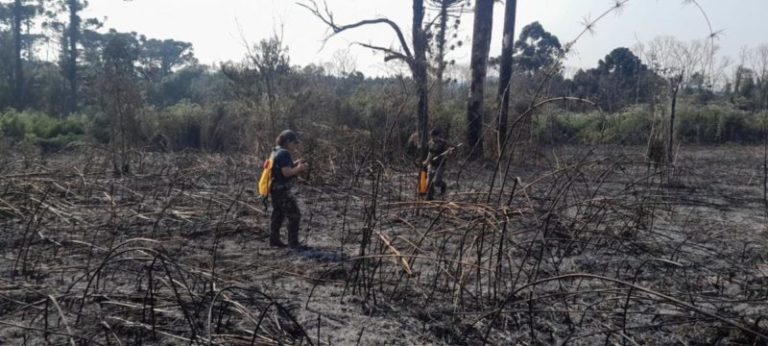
(180, 124)
(718, 123)
(58, 142)
(562, 128)
(47, 132)
(12, 127)
(100, 130)
(699, 124)
(631, 126)
(217, 127)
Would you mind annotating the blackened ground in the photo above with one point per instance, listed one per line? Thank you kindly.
(575, 246)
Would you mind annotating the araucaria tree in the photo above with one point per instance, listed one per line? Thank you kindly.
(448, 10)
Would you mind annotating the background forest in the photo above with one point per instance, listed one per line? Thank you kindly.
(156, 95)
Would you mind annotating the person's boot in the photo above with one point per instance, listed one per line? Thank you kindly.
(276, 243)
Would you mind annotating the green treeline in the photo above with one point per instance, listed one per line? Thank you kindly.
(105, 87)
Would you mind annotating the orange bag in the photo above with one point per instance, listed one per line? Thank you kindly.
(422, 187)
(265, 183)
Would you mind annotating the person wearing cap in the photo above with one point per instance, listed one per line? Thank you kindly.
(284, 172)
(438, 148)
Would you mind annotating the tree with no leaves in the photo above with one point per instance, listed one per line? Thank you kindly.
(121, 96)
(416, 60)
(676, 62)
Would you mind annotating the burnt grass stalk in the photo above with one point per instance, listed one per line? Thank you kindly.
(589, 246)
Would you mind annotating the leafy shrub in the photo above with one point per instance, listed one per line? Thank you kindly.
(180, 124)
(718, 123)
(700, 124)
(216, 127)
(47, 132)
(12, 127)
(58, 142)
(631, 126)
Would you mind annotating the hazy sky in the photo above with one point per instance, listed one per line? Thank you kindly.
(217, 28)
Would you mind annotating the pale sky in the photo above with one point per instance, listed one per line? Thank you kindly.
(217, 28)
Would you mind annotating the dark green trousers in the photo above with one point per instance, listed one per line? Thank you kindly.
(284, 206)
(435, 179)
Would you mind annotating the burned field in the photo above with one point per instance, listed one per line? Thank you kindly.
(575, 246)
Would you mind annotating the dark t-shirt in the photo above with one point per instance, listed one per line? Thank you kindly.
(437, 147)
(282, 158)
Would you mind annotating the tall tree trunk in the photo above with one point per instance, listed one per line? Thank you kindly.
(18, 79)
(419, 69)
(481, 43)
(441, 49)
(671, 140)
(671, 145)
(505, 69)
(71, 68)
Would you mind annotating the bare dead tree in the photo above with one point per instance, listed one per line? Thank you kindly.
(677, 62)
(342, 63)
(674, 86)
(710, 56)
(122, 100)
(415, 58)
(270, 58)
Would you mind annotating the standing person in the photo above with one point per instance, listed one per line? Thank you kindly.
(438, 149)
(284, 171)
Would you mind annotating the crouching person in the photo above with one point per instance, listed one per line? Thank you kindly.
(436, 158)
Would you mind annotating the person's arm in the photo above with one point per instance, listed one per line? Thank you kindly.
(291, 171)
(428, 160)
